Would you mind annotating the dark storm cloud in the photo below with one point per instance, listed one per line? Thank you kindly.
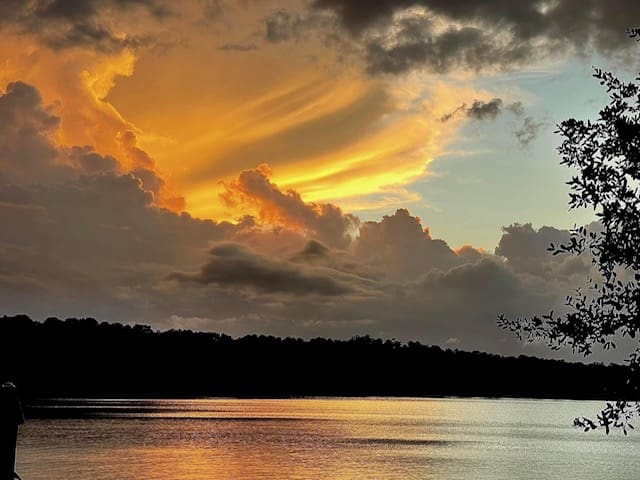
(234, 265)
(467, 47)
(81, 10)
(495, 33)
(64, 24)
(27, 152)
(95, 245)
(92, 35)
(76, 228)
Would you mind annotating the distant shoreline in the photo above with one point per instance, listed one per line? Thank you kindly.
(86, 359)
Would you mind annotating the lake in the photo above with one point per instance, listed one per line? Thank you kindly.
(323, 438)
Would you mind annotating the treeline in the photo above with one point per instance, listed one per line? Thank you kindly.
(85, 358)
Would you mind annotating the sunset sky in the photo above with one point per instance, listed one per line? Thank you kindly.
(296, 167)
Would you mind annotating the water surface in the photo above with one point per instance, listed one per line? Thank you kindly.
(322, 439)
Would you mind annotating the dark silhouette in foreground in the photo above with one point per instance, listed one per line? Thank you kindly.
(605, 155)
(84, 358)
(10, 417)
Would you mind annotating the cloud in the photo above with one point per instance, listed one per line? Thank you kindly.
(97, 244)
(324, 221)
(526, 250)
(29, 133)
(83, 232)
(88, 236)
(485, 110)
(144, 167)
(243, 291)
(80, 224)
(238, 47)
(80, 10)
(287, 24)
(87, 160)
(480, 110)
(401, 35)
(281, 26)
(232, 265)
(517, 108)
(92, 35)
(92, 245)
(213, 9)
(62, 24)
(457, 48)
(528, 131)
(401, 247)
(469, 254)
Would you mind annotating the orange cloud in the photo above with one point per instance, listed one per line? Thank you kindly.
(73, 83)
(186, 116)
(253, 189)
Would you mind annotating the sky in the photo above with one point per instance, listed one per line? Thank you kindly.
(297, 167)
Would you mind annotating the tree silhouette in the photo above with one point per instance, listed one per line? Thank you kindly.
(84, 358)
(605, 152)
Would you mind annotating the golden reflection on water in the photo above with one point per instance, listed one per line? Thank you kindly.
(323, 439)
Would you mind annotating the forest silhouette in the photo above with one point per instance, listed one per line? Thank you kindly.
(85, 358)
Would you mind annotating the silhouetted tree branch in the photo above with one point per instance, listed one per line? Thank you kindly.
(605, 152)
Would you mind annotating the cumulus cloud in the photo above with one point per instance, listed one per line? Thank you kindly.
(400, 35)
(526, 250)
(469, 254)
(81, 229)
(457, 302)
(95, 244)
(325, 221)
(98, 245)
(87, 160)
(87, 236)
(401, 247)
(144, 167)
(30, 152)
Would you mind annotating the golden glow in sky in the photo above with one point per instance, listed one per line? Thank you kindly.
(293, 167)
(202, 113)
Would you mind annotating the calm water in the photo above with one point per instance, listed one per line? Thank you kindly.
(325, 439)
